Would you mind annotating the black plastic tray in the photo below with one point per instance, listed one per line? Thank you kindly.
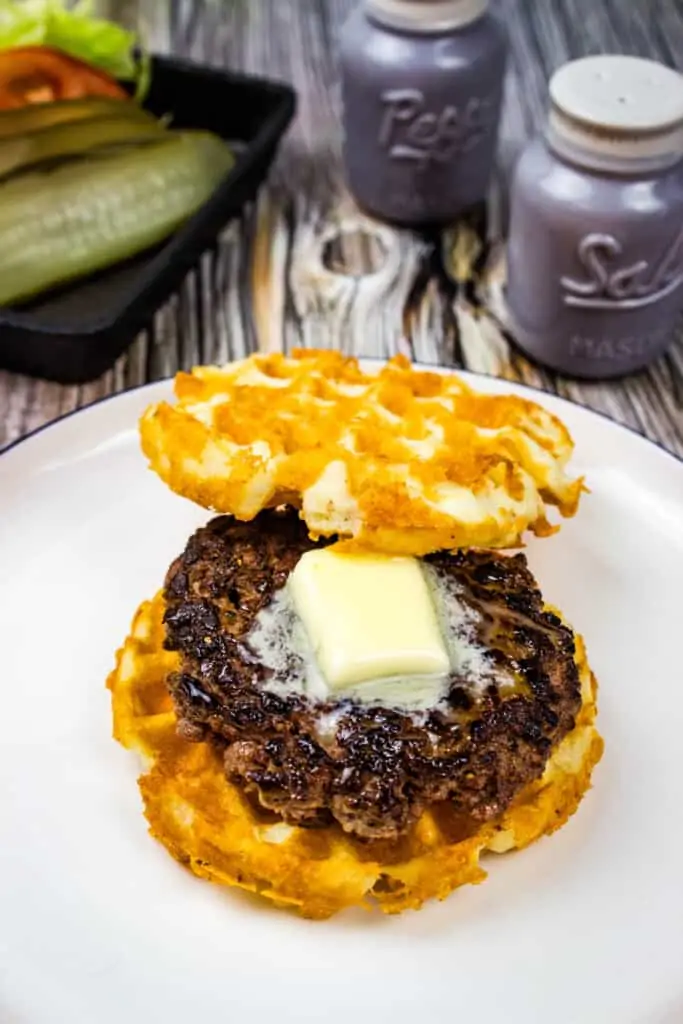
(75, 334)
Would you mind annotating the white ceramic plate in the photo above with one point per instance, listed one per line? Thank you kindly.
(98, 925)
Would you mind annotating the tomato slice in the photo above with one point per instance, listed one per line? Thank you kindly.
(39, 74)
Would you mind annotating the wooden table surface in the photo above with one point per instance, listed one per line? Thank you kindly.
(304, 267)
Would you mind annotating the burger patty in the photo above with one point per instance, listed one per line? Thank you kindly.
(379, 768)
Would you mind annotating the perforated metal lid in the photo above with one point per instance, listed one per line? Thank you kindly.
(611, 111)
(427, 15)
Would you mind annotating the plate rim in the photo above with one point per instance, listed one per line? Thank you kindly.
(430, 367)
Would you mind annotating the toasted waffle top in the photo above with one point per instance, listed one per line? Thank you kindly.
(400, 460)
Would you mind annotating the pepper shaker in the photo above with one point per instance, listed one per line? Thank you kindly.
(422, 85)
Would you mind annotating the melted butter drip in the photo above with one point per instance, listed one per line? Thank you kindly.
(280, 642)
(458, 623)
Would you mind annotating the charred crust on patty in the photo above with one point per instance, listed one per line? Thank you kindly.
(381, 768)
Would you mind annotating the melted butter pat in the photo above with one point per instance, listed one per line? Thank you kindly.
(371, 623)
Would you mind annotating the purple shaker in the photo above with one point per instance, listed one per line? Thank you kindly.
(595, 249)
(422, 84)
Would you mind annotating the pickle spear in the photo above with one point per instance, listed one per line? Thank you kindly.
(35, 116)
(72, 139)
(87, 214)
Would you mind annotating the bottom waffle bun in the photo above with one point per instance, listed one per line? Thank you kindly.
(210, 827)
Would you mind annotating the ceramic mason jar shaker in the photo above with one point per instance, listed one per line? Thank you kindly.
(422, 84)
(595, 253)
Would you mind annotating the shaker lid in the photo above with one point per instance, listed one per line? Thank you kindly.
(428, 15)
(625, 93)
(617, 109)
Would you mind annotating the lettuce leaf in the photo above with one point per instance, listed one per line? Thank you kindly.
(76, 31)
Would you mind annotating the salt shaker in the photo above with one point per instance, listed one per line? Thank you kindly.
(422, 84)
(595, 251)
